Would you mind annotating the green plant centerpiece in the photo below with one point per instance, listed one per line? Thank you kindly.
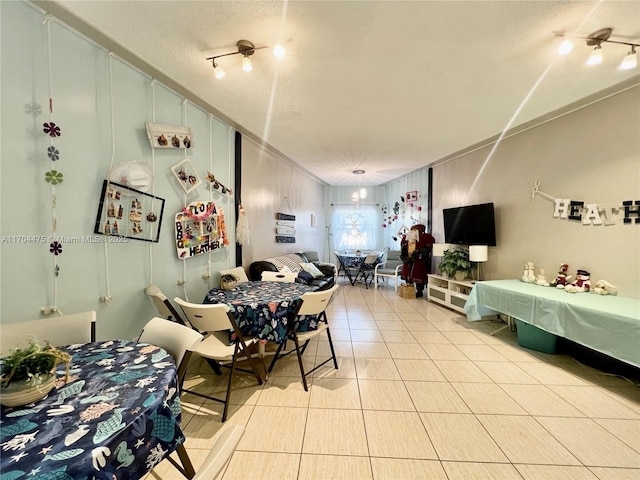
(228, 281)
(28, 373)
(456, 264)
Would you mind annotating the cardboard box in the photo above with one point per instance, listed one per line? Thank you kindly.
(530, 336)
(407, 290)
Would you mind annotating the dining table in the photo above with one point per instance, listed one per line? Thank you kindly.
(262, 308)
(117, 416)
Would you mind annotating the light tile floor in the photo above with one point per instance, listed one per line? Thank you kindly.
(420, 393)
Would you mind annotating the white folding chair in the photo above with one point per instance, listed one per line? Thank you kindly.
(237, 272)
(57, 330)
(367, 268)
(178, 340)
(313, 303)
(163, 305)
(216, 322)
(268, 276)
(220, 453)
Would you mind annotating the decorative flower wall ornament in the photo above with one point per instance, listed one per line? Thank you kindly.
(55, 248)
(53, 177)
(53, 153)
(52, 129)
(34, 109)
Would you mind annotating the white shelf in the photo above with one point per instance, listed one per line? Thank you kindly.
(449, 292)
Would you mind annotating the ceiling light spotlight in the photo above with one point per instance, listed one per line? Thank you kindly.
(596, 56)
(279, 51)
(218, 71)
(630, 60)
(246, 64)
(565, 47)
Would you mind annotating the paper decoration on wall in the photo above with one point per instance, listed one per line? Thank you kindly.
(169, 136)
(407, 210)
(243, 235)
(124, 213)
(285, 228)
(186, 175)
(217, 185)
(199, 228)
(135, 175)
(626, 211)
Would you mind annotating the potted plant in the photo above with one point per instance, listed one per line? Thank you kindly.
(228, 281)
(28, 373)
(455, 263)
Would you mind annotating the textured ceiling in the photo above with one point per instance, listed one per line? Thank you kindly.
(384, 86)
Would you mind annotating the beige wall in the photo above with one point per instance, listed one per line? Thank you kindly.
(266, 181)
(592, 155)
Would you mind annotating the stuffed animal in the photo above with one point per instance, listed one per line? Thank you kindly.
(528, 275)
(602, 287)
(562, 279)
(540, 280)
(580, 284)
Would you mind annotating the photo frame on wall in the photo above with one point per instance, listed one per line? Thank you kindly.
(412, 196)
(169, 136)
(186, 175)
(129, 213)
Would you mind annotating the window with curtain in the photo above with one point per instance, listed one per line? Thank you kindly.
(354, 226)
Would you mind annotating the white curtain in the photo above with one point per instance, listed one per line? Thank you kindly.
(354, 227)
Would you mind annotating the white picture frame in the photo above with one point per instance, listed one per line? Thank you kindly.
(186, 175)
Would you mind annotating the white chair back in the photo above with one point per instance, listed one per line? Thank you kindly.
(237, 272)
(220, 454)
(57, 330)
(174, 337)
(206, 317)
(371, 258)
(279, 276)
(314, 303)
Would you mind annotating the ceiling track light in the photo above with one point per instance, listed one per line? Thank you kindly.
(246, 49)
(596, 39)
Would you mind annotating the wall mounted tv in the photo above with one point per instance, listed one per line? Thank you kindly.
(470, 225)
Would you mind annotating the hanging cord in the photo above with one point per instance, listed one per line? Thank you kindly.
(153, 171)
(107, 298)
(207, 275)
(182, 282)
(54, 221)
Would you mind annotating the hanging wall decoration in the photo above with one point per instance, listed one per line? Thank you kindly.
(135, 175)
(169, 136)
(127, 213)
(217, 185)
(285, 224)
(199, 228)
(625, 211)
(186, 175)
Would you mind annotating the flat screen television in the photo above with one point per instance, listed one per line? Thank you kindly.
(470, 225)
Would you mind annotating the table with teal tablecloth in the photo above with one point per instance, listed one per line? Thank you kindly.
(605, 323)
(262, 309)
(116, 418)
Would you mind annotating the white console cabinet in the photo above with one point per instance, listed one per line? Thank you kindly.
(449, 292)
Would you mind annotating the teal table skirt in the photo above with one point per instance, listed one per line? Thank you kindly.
(605, 323)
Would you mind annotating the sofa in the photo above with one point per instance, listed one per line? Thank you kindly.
(323, 276)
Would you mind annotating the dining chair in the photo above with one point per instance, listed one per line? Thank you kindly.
(340, 265)
(313, 303)
(57, 330)
(178, 340)
(164, 307)
(279, 276)
(237, 272)
(223, 342)
(389, 267)
(220, 453)
(367, 269)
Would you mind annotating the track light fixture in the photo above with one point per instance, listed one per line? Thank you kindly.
(596, 39)
(246, 49)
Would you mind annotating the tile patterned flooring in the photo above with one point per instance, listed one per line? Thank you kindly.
(420, 393)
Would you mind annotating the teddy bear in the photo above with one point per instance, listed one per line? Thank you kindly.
(540, 280)
(528, 275)
(580, 284)
(602, 287)
(562, 279)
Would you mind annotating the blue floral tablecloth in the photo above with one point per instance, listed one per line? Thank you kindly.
(262, 308)
(117, 417)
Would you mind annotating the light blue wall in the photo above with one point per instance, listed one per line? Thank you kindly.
(82, 106)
